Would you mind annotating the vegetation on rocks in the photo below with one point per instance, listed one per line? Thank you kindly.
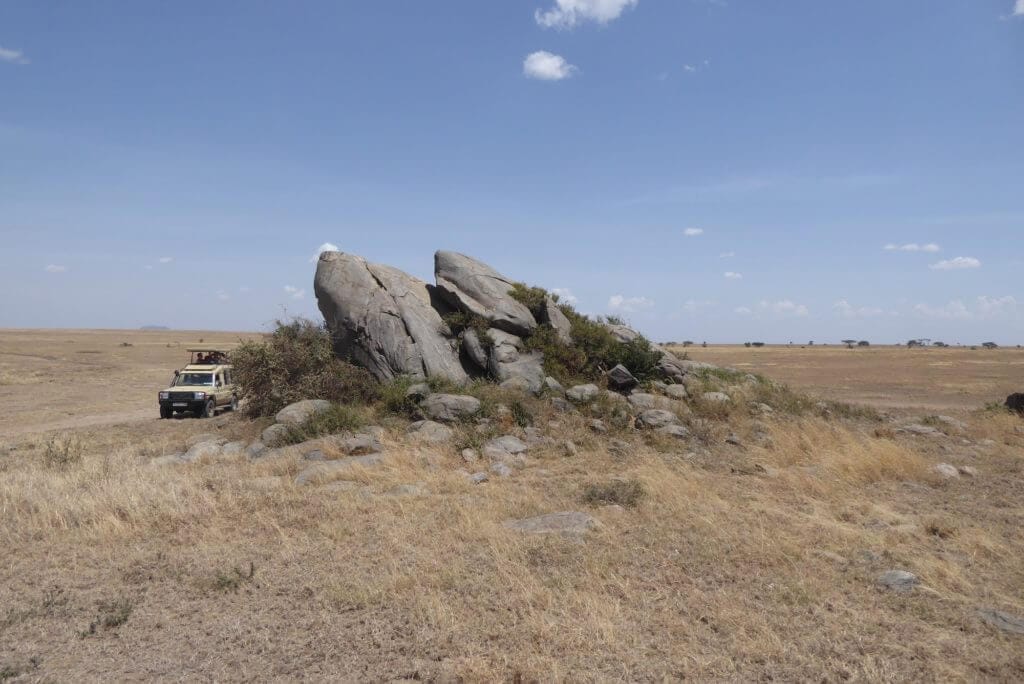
(297, 361)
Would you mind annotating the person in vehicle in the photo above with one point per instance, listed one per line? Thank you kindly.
(201, 359)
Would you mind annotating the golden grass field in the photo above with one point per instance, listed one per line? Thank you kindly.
(749, 562)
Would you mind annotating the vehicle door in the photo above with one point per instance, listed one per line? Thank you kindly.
(223, 396)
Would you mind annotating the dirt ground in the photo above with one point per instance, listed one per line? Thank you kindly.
(937, 379)
(751, 553)
(66, 379)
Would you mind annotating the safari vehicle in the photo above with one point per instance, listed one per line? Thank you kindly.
(202, 387)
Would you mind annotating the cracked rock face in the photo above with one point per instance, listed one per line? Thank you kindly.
(476, 288)
(383, 319)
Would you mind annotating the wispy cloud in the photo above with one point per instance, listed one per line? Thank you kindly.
(913, 247)
(326, 247)
(629, 304)
(980, 309)
(693, 232)
(733, 275)
(694, 306)
(727, 255)
(743, 310)
(784, 308)
(12, 56)
(165, 260)
(568, 13)
(223, 296)
(294, 292)
(694, 68)
(545, 66)
(55, 268)
(847, 310)
(565, 295)
(1018, 9)
(957, 264)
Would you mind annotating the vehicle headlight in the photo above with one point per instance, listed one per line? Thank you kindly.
(200, 395)
(165, 395)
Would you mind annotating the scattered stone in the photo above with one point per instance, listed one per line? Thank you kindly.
(275, 434)
(951, 423)
(536, 437)
(418, 392)
(553, 316)
(968, 471)
(481, 477)
(314, 455)
(301, 411)
(476, 288)
(677, 391)
(232, 449)
(677, 431)
(764, 409)
(374, 431)
(508, 449)
(987, 442)
(734, 440)
(169, 459)
(358, 445)
(470, 455)
(583, 393)
(656, 418)
(553, 385)
(570, 448)
(597, 425)
(430, 432)
(255, 450)
(947, 471)
(501, 470)
(203, 450)
(384, 319)
(474, 348)
(619, 447)
(325, 468)
(561, 405)
(716, 397)
(571, 524)
(659, 386)
(897, 580)
(1002, 621)
(642, 400)
(449, 408)
(619, 378)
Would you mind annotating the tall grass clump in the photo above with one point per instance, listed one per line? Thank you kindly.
(297, 361)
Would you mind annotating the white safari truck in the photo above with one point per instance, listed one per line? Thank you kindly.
(202, 387)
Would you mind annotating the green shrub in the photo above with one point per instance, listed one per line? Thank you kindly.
(626, 493)
(297, 361)
(533, 298)
(460, 321)
(338, 418)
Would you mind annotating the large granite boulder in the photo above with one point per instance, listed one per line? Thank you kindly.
(513, 367)
(476, 288)
(384, 320)
(554, 317)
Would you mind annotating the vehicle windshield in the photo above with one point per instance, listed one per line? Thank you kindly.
(192, 379)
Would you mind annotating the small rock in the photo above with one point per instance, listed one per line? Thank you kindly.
(508, 449)
(275, 434)
(677, 431)
(1003, 621)
(470, 455)
(202, 438)
(716, 397)
(169, 459)
(897, 580)
(946, 470)
(320, 470)
(536, 437)
(232, 449)
(656, 418)
(481, 477)
(418, 392)
(951, 423)
(733, 440)
(619, 447)
(201, 451)
(764, 409)
(569, 448)
(255, 450)
(449, 408)
(553, 385)
(968, 471)
(619, 378)
(501, 470)
(301, 411)
(567, 524)
(583, 393)
(408, 490)
(374, 430)
(987, 442)
(561, 405)
(597, 425)
(642, 400)
(314, 455)
(677, 392)
(430, 432)
(922, 430)
(359, 445)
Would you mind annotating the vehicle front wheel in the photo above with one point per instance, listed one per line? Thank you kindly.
(210, 409)
(166, 412)
(234, 403)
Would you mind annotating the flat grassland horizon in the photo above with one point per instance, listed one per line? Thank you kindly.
(749, 551)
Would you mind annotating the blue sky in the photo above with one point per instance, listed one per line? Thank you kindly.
(720, 170)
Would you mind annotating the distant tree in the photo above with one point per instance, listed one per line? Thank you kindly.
(990, 345)
(849, 343)
(703, 344)
(863, 343)
(758, 344)
(811, 343)
(939, 344)
(746, 344)
(688, 343)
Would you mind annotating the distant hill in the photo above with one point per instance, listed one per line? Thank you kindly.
(154, 327)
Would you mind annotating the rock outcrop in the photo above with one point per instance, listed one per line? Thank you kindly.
(384, 319)
(476, 288)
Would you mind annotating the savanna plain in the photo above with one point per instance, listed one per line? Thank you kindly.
(752, 550)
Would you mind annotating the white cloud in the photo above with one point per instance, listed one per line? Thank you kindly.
(545, 66)
(1018, 9)
(727, 255)
(733, 275)
(294, 292)
(326, 247)
(223, 296)
(913, 247)
(693, 232)
(847, 310)
(569, 13)
(12, 56)
(956, 264)
(694, 68)
(54, 268)
(243, 289)
(982, 308)
(785, 308)
(693, 306)
(165, 260)
(743, 310)
(629, 304)
(565, 295)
